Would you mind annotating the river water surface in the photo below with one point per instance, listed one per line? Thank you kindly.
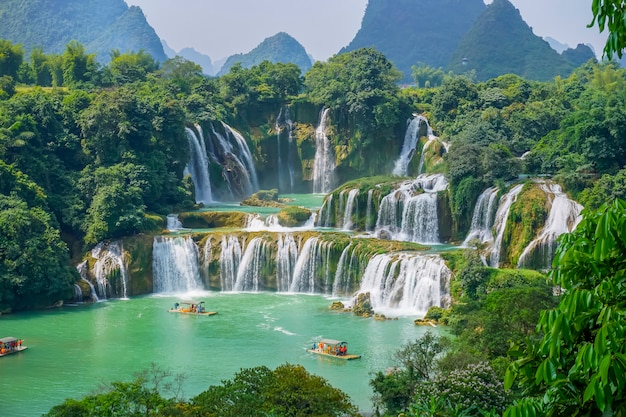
(73, 349)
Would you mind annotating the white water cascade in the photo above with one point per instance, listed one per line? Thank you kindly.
(348, 271)
(324, 164)
(230, 258)
(232, 161)
(82, 269)
(326, 212)
(368, 211)
(244, 151)
(198, 165)
(173, 223)
(350, 209)
(312, 264)
(286, 258)
(286, 172)
(564, 216)
(418, 220)
(175, 265)
(406, 283)
(483, 217)
(251, 266)
(109, 265)
(499, 224)
(409, 147)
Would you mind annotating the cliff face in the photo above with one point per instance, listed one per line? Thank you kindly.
(413, 31)
(500, 42)
(99, 25)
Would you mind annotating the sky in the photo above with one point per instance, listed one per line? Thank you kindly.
(221, 28)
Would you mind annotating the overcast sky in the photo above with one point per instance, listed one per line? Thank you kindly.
(220, 28)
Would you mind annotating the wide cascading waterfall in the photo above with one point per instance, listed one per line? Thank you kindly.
(499, 224)
(250, 269)
(351, 208)
(286, 258)
(230, 258)
(312, 267)
(244, 152)
(483, 217)
(564, 216)
(324, 163)
(406, 283)
(407, 215)
(175, 265)
(198, 165)
(110, 270)
(409, 147)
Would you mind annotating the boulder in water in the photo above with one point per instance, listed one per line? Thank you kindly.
(363, 305)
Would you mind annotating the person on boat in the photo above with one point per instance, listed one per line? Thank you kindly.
(176, 305)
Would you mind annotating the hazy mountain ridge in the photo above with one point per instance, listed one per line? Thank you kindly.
(408, 32)
(99, 25)
(278, 48)
(192, 55)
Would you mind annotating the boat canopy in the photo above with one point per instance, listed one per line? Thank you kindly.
(8, 340)
(191, 302)
(332, 342)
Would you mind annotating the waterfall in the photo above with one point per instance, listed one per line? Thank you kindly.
(482, 219)
(286, 258)
(312, 263)
(324, 164)
(368, 211)
(207, 254)
(198, 166)
(411, 138)
(351, 207)
(82, 271)
(230, 258)
(175, 265)
(78, 293)
(244, 151)
(564, 216)
(284, 123)
(110, 265)
(251, 266)
(406, 283)
(232, 164)
(348, 270)
(173, 223)
(405, 215)
(326, 212)
(499, 224)
(430, 140)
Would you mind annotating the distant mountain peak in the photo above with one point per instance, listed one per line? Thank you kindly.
(280, 47)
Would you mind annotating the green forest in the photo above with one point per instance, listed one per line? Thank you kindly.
(90, 152)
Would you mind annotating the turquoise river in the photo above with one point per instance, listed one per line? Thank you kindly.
(73, 349)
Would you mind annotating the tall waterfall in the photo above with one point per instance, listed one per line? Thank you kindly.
(324, 164)
(198, 165)
(82, 269)
(408, 216)
(109, 267)
(564, 216)
(175, 265)
(285, 167)
(312, 266)
(251, 266)
(232, 161)
(244, 151)
(406, 283)
(409, 147)
(286, 258)
(502, 215)
(483, 217)
(348, 271)
(230, 259)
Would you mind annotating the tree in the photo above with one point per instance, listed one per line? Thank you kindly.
(609, 14)
(78, 67)
(394, 390)
(11, 57)
(289, 390)
(578, 365)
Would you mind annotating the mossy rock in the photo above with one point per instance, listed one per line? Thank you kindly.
(293, 216)
(213, 219)
(263, 198)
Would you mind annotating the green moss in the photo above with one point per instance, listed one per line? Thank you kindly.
(528, 215)
(293, 216)
(213, 219)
